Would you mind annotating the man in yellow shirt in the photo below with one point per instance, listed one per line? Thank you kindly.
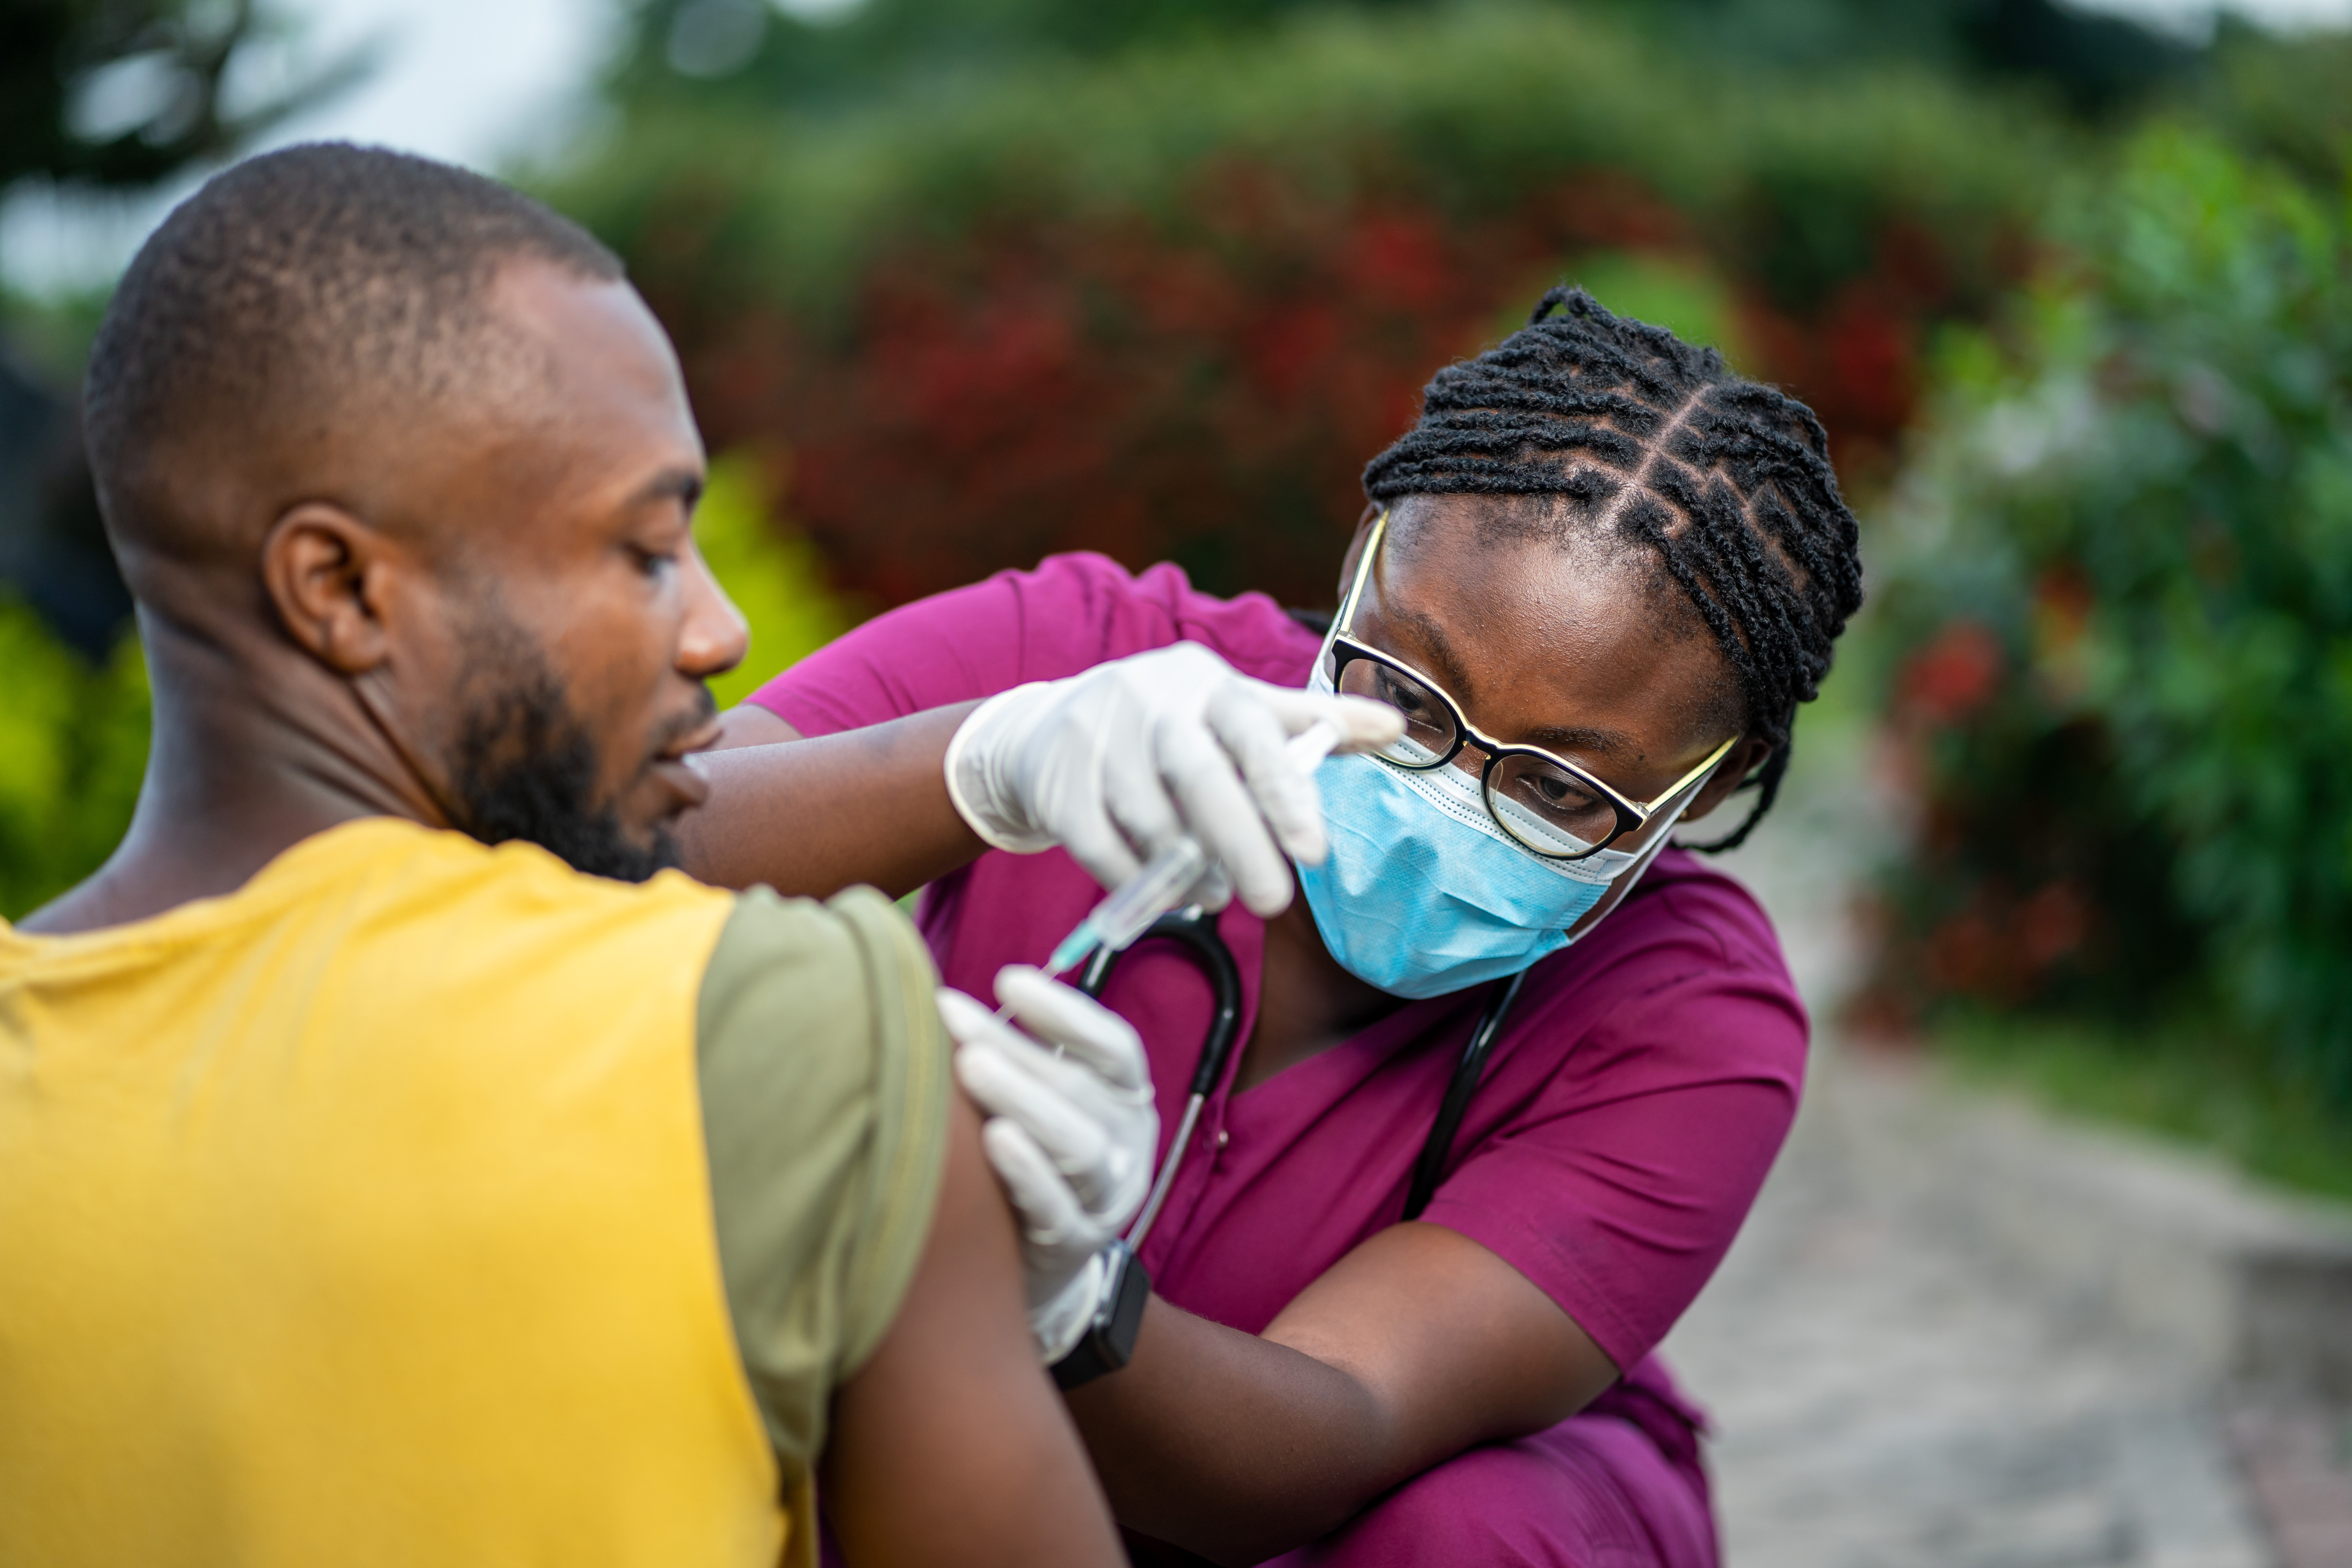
(369, 1193)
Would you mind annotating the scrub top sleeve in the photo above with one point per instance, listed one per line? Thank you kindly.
(1618, 1181)
(1071, 613)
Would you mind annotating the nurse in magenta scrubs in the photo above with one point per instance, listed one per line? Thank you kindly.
(1597, 578)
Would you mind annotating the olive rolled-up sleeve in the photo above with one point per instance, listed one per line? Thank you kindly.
(825, 1082)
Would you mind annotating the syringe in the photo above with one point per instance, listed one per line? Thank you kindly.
(1167, 877)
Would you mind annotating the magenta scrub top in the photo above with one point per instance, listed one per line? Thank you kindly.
(1629, 1112)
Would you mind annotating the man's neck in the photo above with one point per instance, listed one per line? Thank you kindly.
(230, 785)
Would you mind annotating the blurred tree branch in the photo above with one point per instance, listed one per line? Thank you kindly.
(124, 94)
(107, 95)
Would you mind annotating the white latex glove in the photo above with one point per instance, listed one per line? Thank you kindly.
(1115, 763)
(1071, 1132)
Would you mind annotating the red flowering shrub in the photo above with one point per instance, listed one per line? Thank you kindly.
(1168, 309)
(1952, 676)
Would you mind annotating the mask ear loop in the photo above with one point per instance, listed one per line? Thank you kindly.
(1658, 833)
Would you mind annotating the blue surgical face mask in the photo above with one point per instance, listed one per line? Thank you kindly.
(1424, 893)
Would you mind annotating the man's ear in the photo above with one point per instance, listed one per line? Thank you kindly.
(326, 570)
(1744, 759)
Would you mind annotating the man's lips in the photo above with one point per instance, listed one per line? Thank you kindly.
(701, 738)
(673, 767)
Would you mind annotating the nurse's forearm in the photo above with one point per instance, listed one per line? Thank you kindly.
(1232, 1446)
(1416, 1345)
(815, 815)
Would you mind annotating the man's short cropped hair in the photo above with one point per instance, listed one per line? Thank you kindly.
(293, 288)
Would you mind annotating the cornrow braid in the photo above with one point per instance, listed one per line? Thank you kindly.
(1645, 436)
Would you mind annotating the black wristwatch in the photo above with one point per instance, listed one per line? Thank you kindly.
(1109, 1339)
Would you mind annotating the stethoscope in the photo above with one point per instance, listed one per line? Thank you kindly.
(1196, 930)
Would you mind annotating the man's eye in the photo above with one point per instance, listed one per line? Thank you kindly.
(652, 562)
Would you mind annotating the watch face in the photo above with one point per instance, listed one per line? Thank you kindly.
(1109, 1339)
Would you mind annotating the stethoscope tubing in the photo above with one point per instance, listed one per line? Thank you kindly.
(1168, 1169)
(1197, 929)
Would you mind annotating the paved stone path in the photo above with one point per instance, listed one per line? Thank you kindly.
(1880, 1402)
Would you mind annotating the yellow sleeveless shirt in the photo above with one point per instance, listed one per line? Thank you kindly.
(364, 1217)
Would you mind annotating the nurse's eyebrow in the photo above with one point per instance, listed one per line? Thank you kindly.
(1579, 739)
(1440, 652)
(1585, 741)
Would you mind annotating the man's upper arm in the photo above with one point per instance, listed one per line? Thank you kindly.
(951, 1444)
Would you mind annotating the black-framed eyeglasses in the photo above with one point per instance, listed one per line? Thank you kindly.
(1545, 803)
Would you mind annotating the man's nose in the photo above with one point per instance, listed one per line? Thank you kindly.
(714, 636)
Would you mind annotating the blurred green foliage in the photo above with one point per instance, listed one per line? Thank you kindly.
(73, 744)
(773, 574)
(2285, 99)
(2092, 62)
(1682, 294)
(2190, 1077)
(2119, 580)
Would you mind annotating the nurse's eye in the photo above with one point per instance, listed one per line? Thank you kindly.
(1557, 795)
(1409, 697)
(1558, 792)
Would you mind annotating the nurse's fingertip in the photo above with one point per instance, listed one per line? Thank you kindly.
(1014, 979)
(1266, 909)
(1299, 827)
(966, 1017)
(1267, 897)
(1215, 891)
(1261, 878)
(984, 1074)
(1365, 725)
(1030, 1175)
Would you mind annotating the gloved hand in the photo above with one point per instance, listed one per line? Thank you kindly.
(1071, 1132)
(1114, 763)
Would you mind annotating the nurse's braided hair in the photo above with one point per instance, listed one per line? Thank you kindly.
(1647, 437)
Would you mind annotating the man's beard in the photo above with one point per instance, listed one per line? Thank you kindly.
(525, 767)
